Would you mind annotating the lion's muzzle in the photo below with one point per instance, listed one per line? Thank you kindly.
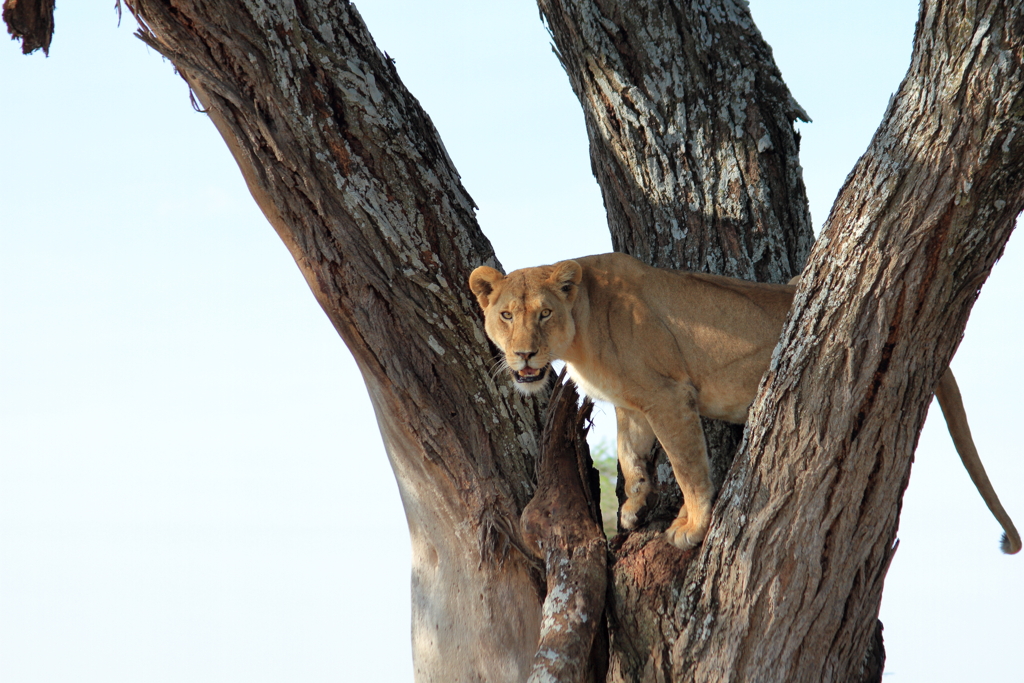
(529, 375)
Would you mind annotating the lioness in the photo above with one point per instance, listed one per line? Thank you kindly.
(664, 347)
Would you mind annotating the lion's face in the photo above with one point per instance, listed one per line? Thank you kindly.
(528, 314)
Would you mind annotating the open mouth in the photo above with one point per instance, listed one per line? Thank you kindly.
(528, 374)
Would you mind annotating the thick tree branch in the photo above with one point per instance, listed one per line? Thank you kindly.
(806, 523)
(353, 176)
(692, 142)
(691, 134)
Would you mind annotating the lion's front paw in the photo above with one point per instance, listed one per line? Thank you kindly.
(684, 535)
(632, 513)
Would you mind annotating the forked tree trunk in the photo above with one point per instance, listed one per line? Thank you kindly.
(692, 142)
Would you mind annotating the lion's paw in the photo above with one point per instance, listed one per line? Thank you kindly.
(632, 513)
(684, 535)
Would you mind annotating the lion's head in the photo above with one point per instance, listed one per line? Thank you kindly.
(528, 314)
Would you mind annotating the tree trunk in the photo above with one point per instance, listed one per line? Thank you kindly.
(691, 134)
(351, 173)
(692, 142)
(790, 578)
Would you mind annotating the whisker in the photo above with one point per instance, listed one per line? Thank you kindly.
(500, 364)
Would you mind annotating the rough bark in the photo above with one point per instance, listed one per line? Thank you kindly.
(691, 134)
(352, 175)
(805, 525)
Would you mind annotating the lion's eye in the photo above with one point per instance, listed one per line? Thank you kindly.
(546, 313)
(506, 315)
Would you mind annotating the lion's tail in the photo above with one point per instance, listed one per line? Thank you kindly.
(952, 406)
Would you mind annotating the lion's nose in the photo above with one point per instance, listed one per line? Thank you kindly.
(526, 355)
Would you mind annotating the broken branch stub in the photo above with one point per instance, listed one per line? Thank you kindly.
(561, 526)
(31, 21)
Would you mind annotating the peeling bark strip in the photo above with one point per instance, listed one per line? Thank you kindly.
(354, 178)
(31, 22)
(792, 571)
(561, 525)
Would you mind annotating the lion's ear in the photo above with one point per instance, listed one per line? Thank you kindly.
(482, 282)
(566, 275)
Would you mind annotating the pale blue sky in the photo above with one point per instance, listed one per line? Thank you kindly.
(192, 485)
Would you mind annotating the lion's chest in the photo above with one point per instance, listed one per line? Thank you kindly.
(588, 387)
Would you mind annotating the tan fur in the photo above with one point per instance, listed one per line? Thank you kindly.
(665, 347)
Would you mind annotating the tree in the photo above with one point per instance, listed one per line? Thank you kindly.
(291, 188)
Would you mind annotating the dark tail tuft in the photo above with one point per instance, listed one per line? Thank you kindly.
(1008, 547)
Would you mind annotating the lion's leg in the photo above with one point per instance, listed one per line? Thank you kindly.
(678, 428)
(635, 440)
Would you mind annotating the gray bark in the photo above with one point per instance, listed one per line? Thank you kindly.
(351, 173)
(691, 134)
